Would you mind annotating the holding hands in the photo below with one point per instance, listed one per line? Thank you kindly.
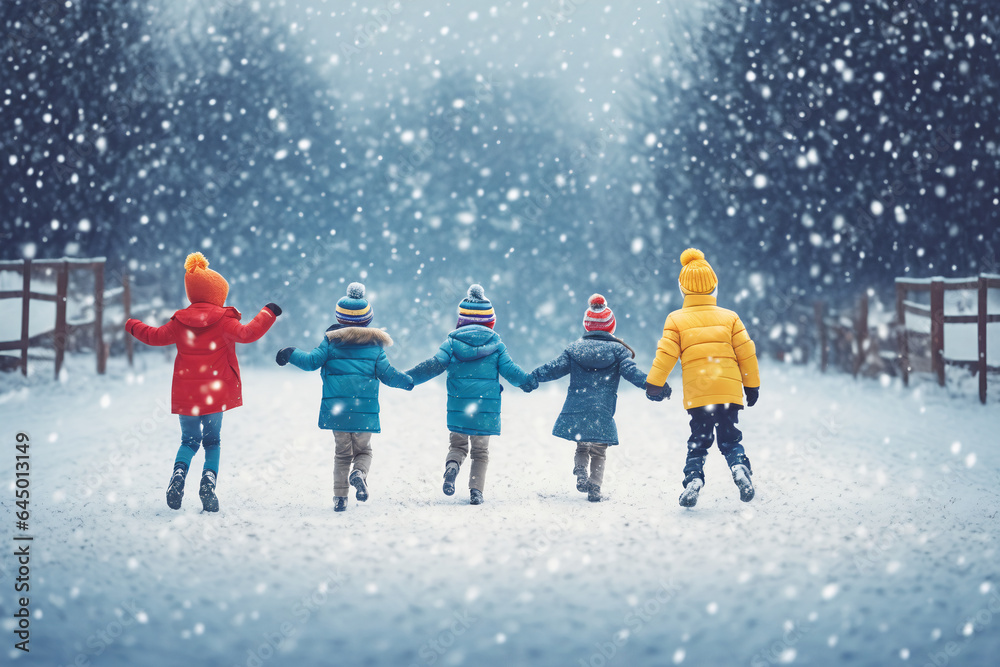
(657, 394)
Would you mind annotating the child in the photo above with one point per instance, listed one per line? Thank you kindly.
(595, 364)
(352, 362)
(719, 363)
(474, 357)
(206, 372)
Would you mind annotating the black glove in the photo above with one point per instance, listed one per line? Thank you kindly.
(274, 308)
(530, 385)
(283, 355)
(657, 394)
(752, 394)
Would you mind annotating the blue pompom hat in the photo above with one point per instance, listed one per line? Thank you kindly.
(476, 308)
(353, 310)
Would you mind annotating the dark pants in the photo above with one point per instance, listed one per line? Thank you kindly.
(705, 422)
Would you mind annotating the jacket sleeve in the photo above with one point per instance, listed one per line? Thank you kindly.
(310, 361)
(554, 369)
(165, 335)
(389, 375)
(630, 371)
(509, 370)
(433, 367)
(667, 352)
(252, 330)
(746, 355)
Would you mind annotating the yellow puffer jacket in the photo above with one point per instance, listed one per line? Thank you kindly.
(717, 356)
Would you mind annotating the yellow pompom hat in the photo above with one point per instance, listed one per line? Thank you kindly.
(202, 284)
(697, 276)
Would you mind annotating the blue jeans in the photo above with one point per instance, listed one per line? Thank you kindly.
(197, 431)
(705, 422)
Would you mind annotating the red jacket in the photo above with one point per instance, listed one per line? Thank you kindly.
(206, 373)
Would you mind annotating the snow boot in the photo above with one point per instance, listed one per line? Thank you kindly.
(450, 473)
(690, 496)
(175, 490)
(741, 475)
(582, 481)
(357, 480)
(476, 497)
(339, 503)
(209, 502)
(594, 493)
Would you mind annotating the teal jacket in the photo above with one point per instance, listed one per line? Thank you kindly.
(352, 362)
(474, 357)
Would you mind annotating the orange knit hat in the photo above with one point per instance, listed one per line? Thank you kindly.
(697, 276)
(202, 284)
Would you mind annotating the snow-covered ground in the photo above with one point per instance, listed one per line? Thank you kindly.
(872, 540)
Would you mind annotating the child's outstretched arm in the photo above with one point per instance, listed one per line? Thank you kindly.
(255, 328)
(389, 375)
(746, 357)
(307, 361)
(667, 352)
(165, 335)
(553, 370)
(433, 367)
(632, 373)
(513, 373)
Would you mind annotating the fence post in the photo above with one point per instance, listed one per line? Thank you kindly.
(62, 288)
(861, 332)
(820, 309)
(127, 303)
(901, 335)
(981, 323)
(937, 328)
(99, 316)
(25, 313)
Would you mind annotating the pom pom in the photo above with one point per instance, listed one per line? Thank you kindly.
(356, 291)
(690, 255)
(195, 261)
(597, 303)
(477, 292)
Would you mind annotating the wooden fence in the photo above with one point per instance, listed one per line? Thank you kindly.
(61, 329)
(938, 319)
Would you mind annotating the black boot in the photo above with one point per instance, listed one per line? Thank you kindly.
(357, 480)
(339, 503)
(450, 473)
(582, 481)
(593, 492)
(209, 501)
(476, 497)
(741, 475)
(175, 490)
(690, 496)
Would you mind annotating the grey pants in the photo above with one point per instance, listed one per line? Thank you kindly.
(459, 449)
(352, 449)
(595, 453)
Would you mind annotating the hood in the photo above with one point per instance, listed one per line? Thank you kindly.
(595, 351)
(358, 336)
(200, 315)
(474, 341)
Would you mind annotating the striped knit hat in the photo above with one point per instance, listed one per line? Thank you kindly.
(598, 316)
(476, 308)
(353, 310)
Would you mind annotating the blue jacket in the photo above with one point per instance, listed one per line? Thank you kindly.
(351, 362)
(595, 363)
(474, 357)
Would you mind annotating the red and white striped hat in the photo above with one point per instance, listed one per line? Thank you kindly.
(598, 316)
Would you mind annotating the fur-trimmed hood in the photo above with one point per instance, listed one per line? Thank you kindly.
(358, 336)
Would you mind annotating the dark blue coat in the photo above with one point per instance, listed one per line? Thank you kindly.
(351, 362)
(474, 357)
(595, 363)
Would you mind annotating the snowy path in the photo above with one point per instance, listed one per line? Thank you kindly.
(873, 537)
